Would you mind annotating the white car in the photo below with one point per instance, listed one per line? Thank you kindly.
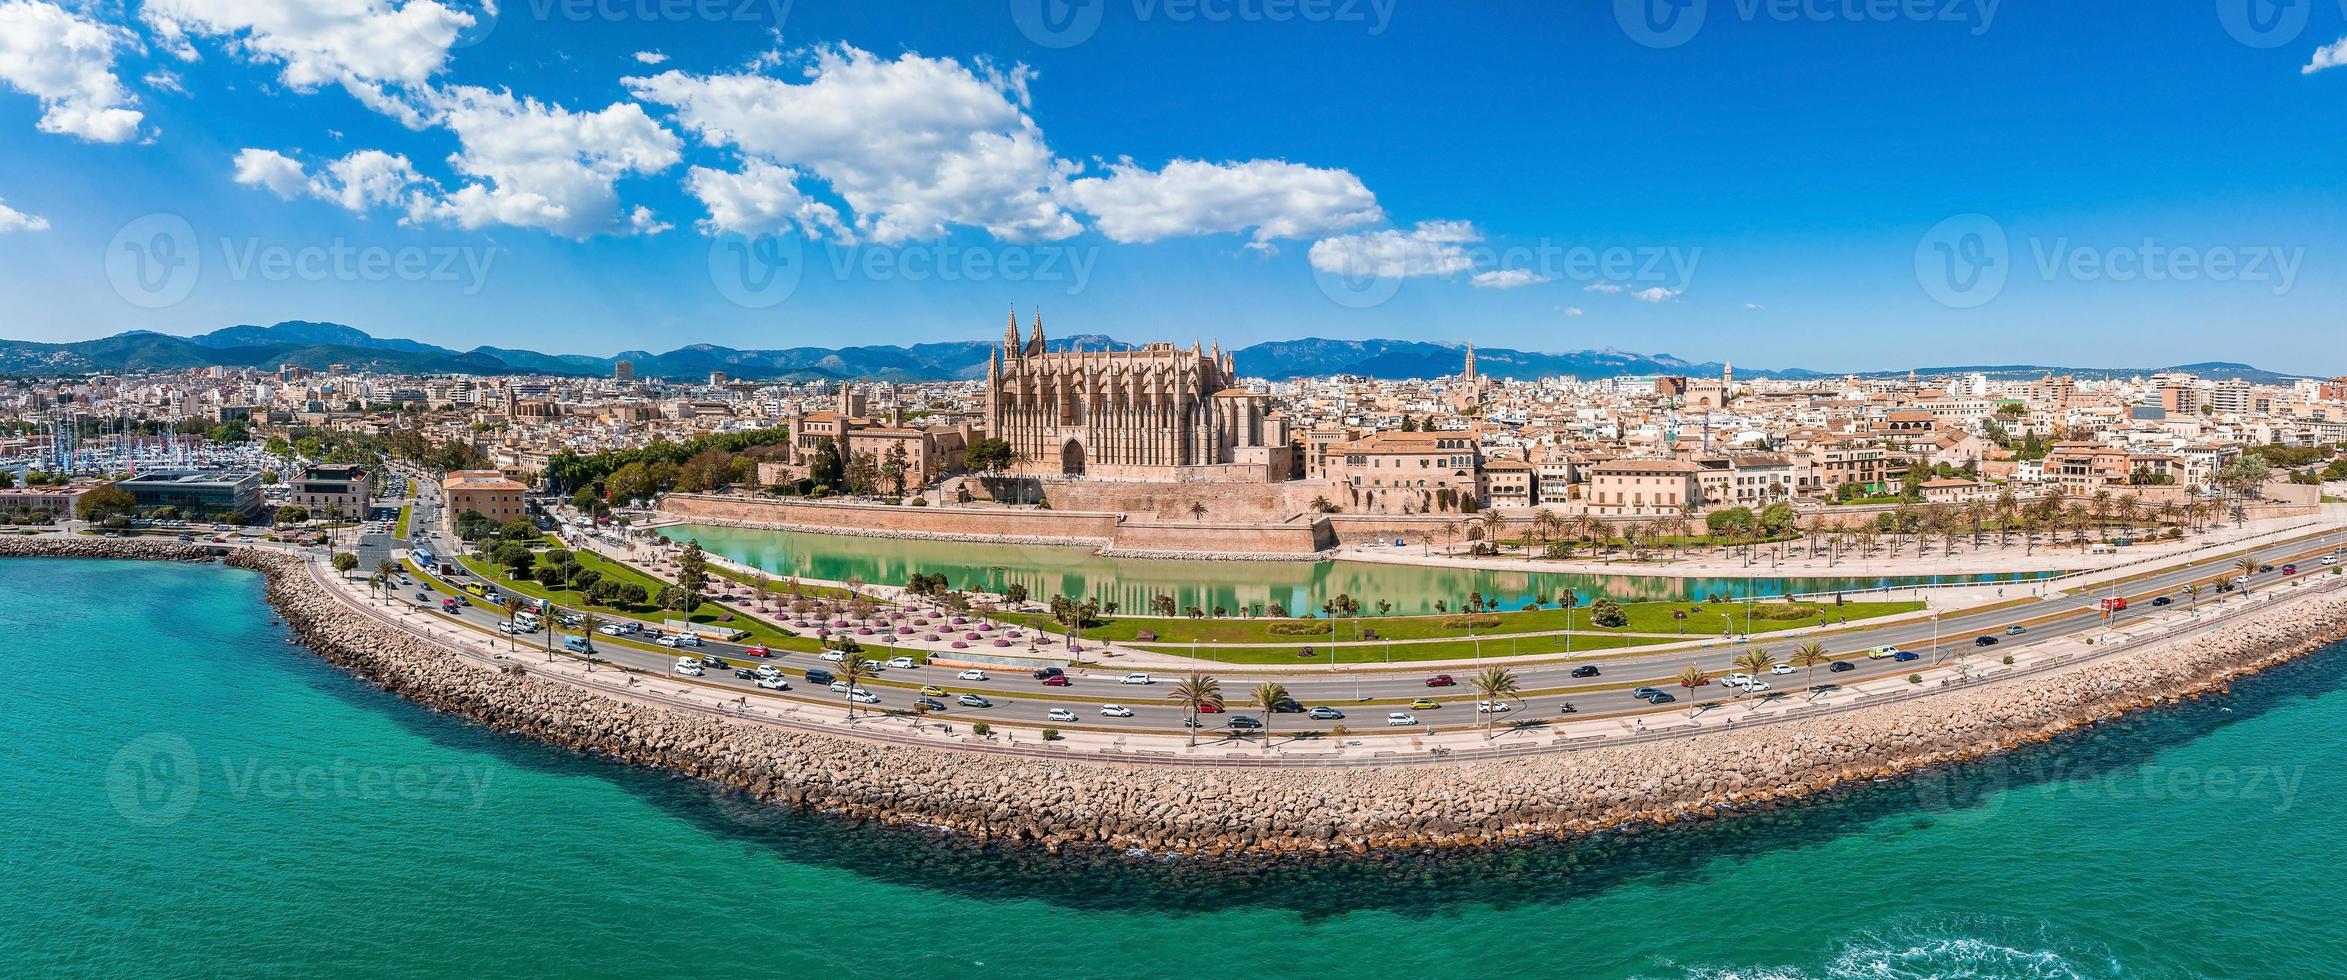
(835, 656)
(610, 629)
(2330, 559)
(688, 667)
(1755, 685)
(861, 696)
(971, 675)
(1400, 719)
(1136, 678)
(901, 663)
(775, 683)
(1736, 680)
(1059, 714)
(1780, 668)
(668, 640)
(1493, 707)
(1116, 711)
(766, 671)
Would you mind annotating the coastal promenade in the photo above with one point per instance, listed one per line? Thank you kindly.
(1082, 793)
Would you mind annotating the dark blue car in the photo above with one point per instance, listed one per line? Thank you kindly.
(1904, 656)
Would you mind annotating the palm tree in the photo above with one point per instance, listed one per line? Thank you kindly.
(1690, 679)
(1808, 655)
(853, 668)
(1195, 693)
(1268, 695)
(513, 613)
(588, 624)
(2247, 566)
(1491, 687)
(1756, 662)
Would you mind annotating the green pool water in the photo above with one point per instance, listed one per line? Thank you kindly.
(1234, 585)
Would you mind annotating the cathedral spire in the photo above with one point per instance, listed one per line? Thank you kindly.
(1010, 333)
(1469, 373)
(1035, 344)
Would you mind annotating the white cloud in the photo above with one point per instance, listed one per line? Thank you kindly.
(650, 57)
(1507, 279)
(1275, 198)
(367, 179)
(164, 80)
(1572, 311)
(2331, 55)
(12, 219)
(544, 166)
(1433, 248)
(1654, 295)
(1754, 306)
(534, 165)
(381, 51)
(760, 199)
(358, 183)
(911, 145)
(281, 174)
(67, 63)
(1607, 288)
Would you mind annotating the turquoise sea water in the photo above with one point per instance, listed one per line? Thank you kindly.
(190, 794)
(1301, 586)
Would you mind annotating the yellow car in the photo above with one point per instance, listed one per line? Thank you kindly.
(1423, 704)
(933, 690)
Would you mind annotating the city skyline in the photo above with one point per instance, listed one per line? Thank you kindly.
(456, 186)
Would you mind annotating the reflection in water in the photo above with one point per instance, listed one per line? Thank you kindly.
(1233, 585)
(1443, 882)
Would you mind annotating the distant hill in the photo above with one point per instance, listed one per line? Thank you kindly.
(318, 345)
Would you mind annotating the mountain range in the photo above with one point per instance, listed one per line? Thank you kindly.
(317, 346)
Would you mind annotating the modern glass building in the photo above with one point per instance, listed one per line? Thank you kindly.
(198, 493)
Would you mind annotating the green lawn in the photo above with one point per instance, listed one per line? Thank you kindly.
(1496, 646)
(1703, 619)
(400, 531)
(710, 614)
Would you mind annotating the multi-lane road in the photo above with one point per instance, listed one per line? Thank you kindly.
(1367, 696)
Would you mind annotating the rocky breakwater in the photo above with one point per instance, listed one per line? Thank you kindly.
(1067, 802)
(82, 546)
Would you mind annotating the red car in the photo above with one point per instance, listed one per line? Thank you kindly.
(1056, 680)
(1208, 707)
(1441, 680)
(2289, 569)
(758, 651)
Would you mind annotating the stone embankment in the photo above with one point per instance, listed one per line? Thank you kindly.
(1273, 810)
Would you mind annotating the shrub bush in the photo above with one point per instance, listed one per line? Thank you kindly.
(1783, 611)
(1915, 678)
(1302, 627)
(1051, 734)
(1470, 622)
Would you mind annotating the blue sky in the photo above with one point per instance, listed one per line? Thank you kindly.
(1831, 184)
